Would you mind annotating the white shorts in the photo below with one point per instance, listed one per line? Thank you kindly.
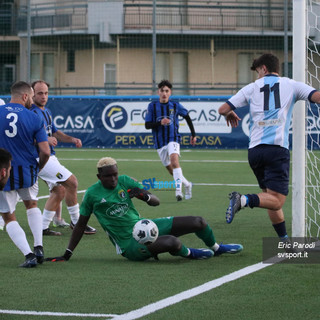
(9, 199)
(54, 172)
(165, 152)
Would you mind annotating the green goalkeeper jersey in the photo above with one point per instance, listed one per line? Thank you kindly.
(113, 209)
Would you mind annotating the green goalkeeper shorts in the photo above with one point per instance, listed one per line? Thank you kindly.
(139, 252)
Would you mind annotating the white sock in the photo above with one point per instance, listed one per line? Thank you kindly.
(74, 213)
(35, 223)
(47, 218)
(177, 176)
(18, 237)
(243, 200)
(215, 247)
(185, 182)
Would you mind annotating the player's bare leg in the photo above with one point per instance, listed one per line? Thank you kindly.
(187, 224)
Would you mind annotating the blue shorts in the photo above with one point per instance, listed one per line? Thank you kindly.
(271, 166)
(139, 252)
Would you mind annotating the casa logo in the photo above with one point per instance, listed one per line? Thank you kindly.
(114, 117)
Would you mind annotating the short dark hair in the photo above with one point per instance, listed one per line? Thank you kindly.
(269, 60)
(20, 87)
(165, 83)
(5, 158)
(39, 81)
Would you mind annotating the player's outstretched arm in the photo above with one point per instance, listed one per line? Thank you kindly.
(144, 195)
(62, 137)
(231, 117)
(76, 236)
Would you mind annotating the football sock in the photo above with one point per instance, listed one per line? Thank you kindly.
(207, 236)
(244, 201)
(185, 182)
(35, 223)
(18, 237)
(177, 176)
(281, 229)
(215, 247)
(252, 201)
(47, 218)
(183, 252)
(74, 213)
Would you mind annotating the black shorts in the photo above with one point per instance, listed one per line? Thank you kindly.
(271, 166)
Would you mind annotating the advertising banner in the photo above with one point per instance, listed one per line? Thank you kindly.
(118, 122)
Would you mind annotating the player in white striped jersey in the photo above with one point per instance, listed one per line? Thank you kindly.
(271, 99)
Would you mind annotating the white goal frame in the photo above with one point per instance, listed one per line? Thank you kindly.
(298, 120)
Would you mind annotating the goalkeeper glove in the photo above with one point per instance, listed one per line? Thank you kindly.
(139, 193)
(67, 255)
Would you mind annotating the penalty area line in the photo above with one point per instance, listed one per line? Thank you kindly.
(56, 314)
(153, 307)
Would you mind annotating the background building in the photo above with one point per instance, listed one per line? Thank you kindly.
(125, 47)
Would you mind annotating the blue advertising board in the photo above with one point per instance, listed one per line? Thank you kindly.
(118, 122)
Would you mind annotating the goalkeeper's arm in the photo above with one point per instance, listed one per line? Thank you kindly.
(144, 195)
(76, 236)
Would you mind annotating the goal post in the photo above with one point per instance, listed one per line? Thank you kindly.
(298, 120)
(306, 121)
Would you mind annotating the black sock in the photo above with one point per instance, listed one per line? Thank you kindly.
(253, 200)
(281, 229)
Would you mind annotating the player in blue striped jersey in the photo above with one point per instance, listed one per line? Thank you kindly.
(61, 182)
(162, 118)
(271, 99)
(20, 130)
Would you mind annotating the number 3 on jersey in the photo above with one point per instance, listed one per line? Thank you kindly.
(276, 94)
(14, 118)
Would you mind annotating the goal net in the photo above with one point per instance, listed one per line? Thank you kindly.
(312, 173)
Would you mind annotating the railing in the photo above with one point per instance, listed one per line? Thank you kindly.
(210, 15)
(173, 15)
(207, 21)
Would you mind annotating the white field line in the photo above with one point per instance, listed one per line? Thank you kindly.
(56, 314)
(157, 160)
(153, 307)
(146, 150)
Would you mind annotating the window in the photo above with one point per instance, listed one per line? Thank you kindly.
(289, 70)
(42, 67)
(244, 74)
(71, 61)
(35, 66)
(48, 68)
(110, 71)
(173, 66)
